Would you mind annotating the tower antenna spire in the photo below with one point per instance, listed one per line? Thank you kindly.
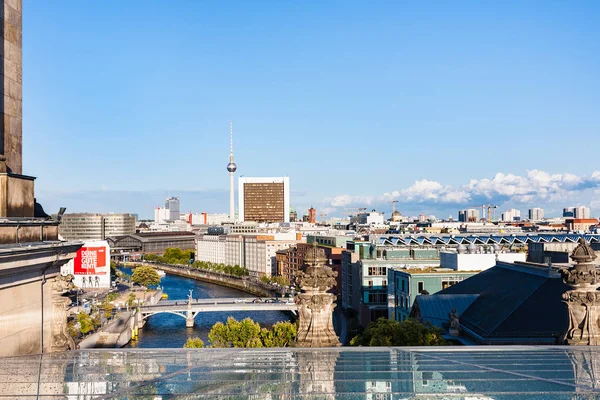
(231, 138)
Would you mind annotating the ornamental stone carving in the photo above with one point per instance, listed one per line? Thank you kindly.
(60, 339)
(315, 304)
(583, 302)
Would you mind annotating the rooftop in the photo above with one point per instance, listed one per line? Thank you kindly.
(491, 372)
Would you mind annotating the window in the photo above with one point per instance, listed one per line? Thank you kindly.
(377, 297)
(370, 284)
(403, 287)
(421, 287)
(384, 284)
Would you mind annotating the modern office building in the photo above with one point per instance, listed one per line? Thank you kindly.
(511, 215)
(89, 226)
(568, 212)
(172, 204)
(264, 199)
(536, 214)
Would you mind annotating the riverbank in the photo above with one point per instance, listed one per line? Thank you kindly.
(244, 285)
(122, 329)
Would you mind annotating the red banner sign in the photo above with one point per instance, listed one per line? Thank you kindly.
(89, 260)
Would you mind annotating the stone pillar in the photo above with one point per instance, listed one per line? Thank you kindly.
(315, 308)
(11, 87)
(189, 316)
(317, 374)
(61, 340)
(583, 301)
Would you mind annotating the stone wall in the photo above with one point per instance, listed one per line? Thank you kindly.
(11, 85)
(20, 306)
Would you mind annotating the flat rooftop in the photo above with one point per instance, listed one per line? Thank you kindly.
(507, 372)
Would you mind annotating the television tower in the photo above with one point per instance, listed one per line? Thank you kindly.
(231, 167)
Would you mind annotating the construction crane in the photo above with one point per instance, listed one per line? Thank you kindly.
(489, 207)
(360, 210)
(323, 215)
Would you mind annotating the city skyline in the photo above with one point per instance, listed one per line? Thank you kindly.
(493, 89)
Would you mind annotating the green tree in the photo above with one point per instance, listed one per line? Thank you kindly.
(282, 334)
(384, 332)
(145, 276)
(234, 333)
(107, 308)
(86, 324)
(194, 343)
(131, 299)
(113, 268)
(247, 333)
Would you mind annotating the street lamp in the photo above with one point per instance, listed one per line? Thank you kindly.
(190, 295)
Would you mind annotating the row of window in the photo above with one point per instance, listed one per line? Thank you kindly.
(377, 271)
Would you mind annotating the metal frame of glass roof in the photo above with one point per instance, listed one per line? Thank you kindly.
(436, 240)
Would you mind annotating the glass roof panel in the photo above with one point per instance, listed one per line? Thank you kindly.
(510, 372)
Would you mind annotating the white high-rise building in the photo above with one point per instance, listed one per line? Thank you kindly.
(581, 212)
(161, 215)
(511, 215)
(536, 214)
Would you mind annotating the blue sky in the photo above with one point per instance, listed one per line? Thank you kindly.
(358, 102)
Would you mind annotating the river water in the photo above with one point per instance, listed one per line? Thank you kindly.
(168, 330)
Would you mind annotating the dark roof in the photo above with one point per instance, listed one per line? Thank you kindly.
(514, 301)
(435, 309)
(164, 234)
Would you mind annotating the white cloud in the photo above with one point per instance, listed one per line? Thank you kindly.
(535, 188)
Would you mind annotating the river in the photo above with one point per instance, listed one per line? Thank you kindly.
(168, 330)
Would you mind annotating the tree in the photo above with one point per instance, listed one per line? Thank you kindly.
(86, 324)
(282, 334)
(234, 333)
(247, 333)
(113, 268)
(145, 276)
(194, 343)
(131, 299)
(107, 308)
(385, 332)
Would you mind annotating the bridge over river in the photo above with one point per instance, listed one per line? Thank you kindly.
(190, 308)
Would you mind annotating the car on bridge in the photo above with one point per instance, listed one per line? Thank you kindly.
(258, 300)
(239, 300)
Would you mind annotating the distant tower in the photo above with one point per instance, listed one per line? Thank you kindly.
(231, 167)
(312, 215)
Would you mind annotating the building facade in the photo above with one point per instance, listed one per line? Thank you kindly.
(581, 212)
(536, 214)
(406, 284)
(150, 243)
(468, 215)
(364, 275)
(511, 215)
(86, 226)
(264, 199)
(257, 253)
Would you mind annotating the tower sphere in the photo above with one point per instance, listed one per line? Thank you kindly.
(231, 167)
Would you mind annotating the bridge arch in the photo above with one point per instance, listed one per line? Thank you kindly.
(181, 314)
